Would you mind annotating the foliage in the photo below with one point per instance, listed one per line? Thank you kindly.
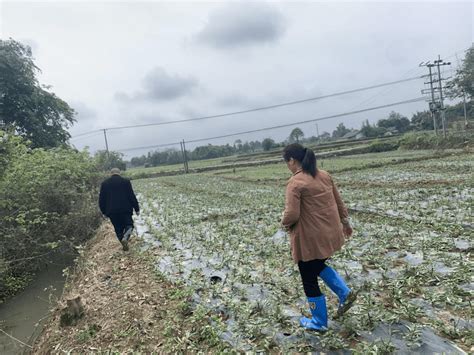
(463, 82)
(325, 136)
(211, 151)
(340, 131)
(28, 107)
(11, 147)
(382, 146)
(371, 131)
(423, 120)
(268, 144)
(454, 113)
(295, 135)
(395, 121)
(108, 160)
(47, 202)
(430, 140)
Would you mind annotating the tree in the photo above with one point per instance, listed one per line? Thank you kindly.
(246, 147)
(138, 161)
(463, 82)
(268, 144)
(108, 160)
(371, 131)
(340, 131)
(325, 136)
(395, 121)
(34, 112)
(238, 144)
(295, 135)
(423, 120)
(47, 201)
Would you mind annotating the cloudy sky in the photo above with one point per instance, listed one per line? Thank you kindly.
(125, 63)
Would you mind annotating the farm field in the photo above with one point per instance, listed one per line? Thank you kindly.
(410, 255)
(273, 154)
(279, 172)
(364, 159)
(135, 172)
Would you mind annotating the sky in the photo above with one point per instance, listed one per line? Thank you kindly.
(126, 63)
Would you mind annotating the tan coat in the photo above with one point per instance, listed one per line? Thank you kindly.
(313, 213)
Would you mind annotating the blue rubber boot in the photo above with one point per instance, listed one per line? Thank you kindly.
(319, 312)
(339, 287)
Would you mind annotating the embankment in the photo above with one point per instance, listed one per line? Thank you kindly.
(128, 306)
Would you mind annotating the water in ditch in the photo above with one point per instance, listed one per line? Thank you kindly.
(22, 317)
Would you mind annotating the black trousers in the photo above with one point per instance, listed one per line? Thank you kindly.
(121, 221)
(309, 271)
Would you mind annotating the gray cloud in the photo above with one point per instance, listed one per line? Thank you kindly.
(158, 85)
(243, 23)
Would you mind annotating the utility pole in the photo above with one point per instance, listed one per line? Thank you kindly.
(432, 104)
(465, 111)
(439, 63)
(436, 106)
(185, 157)
(317, 131)
(106, 143)
(182, 153)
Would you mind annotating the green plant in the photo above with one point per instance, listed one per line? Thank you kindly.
(47, 204)
(87, 334)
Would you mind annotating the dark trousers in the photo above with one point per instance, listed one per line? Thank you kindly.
(309, 271)
(121, 221)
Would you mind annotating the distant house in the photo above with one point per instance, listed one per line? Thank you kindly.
(324, 136)
(351, 135)
(360, 135)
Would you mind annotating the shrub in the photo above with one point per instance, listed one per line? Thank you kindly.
(47, 202)
(429, 140)
(382, 146)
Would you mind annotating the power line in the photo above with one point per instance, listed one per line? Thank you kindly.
(258, 108)
(87, 135)
(280, 126)
(148, 147)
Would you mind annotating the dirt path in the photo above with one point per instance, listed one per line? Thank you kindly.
(129, 307)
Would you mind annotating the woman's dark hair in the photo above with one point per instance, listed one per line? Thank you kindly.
(304, 155)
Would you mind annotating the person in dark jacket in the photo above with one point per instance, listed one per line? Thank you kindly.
(117, 201)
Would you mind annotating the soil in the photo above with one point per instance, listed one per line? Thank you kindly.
(128, 306)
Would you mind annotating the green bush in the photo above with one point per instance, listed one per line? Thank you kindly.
(382, 146)
(429, 140)
(48, 201)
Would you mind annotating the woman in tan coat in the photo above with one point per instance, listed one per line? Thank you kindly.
(318, 223)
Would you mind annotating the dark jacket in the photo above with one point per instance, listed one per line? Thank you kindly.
(117, 196)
